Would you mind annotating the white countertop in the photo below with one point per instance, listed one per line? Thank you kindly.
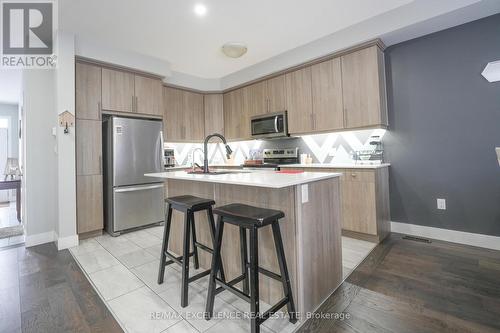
(337, 165)
(269, 179)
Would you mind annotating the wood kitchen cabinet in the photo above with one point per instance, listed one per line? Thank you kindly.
(235, 127)
(89, 204)
(213, 105)
(88, 147)
(364, 202)
(174, 127)
(118, 92)
(184, 115)
(328, 113)
(364, 91)
(87, 91)
(148, 95)
(194, 116)
(88, 137)
(276, 94)
(358, 202)
(299, 101)
(254, 101)
(242, 104)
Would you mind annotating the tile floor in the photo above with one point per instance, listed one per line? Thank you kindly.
(354, 251)
(8, 218)
(124, 270)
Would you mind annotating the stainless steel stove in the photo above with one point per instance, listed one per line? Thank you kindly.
(274, 157)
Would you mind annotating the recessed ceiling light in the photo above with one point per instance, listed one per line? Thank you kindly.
(200, 9)
(234, 50)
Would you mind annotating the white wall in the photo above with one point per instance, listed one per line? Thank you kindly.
(40, 168)
(65, 101)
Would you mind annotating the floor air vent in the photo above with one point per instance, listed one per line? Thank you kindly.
(417, 239)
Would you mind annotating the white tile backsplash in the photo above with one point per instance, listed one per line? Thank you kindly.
(323, 148)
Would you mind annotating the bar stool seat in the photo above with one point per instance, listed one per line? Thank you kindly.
(249, 215)
(189, 202)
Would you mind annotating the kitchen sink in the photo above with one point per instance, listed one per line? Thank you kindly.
(216, 172)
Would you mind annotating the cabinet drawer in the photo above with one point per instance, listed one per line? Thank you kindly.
(356, 175)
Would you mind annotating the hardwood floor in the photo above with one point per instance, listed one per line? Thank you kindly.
(409, 286)
(44, 290)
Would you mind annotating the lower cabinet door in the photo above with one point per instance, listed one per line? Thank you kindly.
(135, 206)
(89, 205)
(358, 207)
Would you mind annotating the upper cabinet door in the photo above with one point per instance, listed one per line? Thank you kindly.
(276, 94)
(363, 81)
(214, 113)
(173, 119)
(88, 91)
(328, 113)
(148, 94)
(254, 101)
(299, 101)
(184, 116)
(234, 116)
(194, 117)
(118, 90)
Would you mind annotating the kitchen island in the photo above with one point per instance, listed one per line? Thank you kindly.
(311, 229)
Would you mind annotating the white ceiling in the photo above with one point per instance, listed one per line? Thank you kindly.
(169, 29)
(10, 86)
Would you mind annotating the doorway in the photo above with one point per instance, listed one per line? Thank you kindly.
(11, 226)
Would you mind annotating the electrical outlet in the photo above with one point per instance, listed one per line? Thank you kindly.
(441, 204)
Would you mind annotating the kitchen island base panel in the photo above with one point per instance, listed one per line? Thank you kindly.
(311, 233)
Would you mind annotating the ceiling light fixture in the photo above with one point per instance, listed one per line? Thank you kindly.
(200, 9)
(234, 50)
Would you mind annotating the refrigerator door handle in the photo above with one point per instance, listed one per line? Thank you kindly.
(162, 153)
(137, 188)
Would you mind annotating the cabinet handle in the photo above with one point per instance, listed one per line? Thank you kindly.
(100, 165)
(353, 175)
(136, 104)
(99, 111)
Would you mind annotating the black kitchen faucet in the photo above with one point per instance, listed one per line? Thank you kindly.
(205, 150)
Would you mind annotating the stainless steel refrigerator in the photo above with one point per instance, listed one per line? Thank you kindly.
(131, 148)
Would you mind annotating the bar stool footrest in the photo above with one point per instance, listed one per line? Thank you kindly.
(266, 272)
(229, 286)
(204, 247)
(263, 317)
(199, 276)
(177, 260)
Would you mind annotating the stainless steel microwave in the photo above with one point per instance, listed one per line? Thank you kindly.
(270, 125)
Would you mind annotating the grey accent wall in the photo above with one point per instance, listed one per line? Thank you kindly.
(444, 124)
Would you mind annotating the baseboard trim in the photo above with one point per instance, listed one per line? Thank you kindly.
(66, 242)
(37, 239)
(460, 237)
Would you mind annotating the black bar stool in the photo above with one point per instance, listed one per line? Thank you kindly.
(187, 204)
(251, 218)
